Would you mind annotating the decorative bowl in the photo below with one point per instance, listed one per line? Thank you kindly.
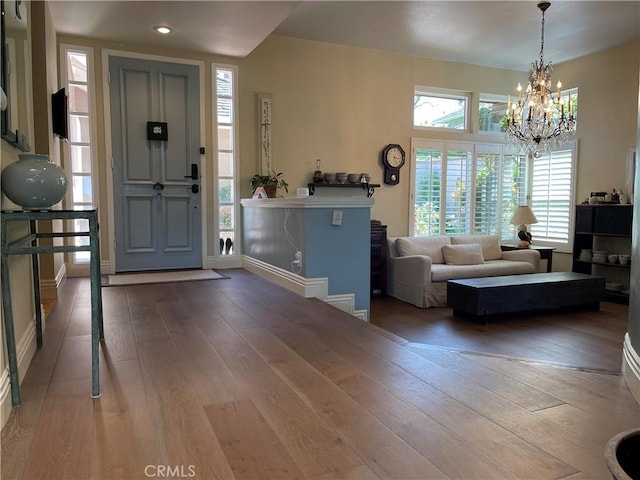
(353, 178)
(341, 177)
(330, 177)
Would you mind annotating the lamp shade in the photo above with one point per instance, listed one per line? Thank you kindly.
(523, 216)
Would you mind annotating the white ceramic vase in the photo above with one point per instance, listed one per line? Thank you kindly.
(34, 182)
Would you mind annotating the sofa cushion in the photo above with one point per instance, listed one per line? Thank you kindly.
(492, 268)
(490, 244)
(429, 246)
(469, 254)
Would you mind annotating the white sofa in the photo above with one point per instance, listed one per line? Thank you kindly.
(418, 267)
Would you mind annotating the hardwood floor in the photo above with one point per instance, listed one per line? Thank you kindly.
(239, 378)
(584, 339)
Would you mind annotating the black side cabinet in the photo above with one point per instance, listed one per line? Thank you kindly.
(378, 258)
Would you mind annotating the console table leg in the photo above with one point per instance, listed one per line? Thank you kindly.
(35, 268)
(9, 331)
(97, 329)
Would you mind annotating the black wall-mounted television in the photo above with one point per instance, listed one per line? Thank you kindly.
(59, 113)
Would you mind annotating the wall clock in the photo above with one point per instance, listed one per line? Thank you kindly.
(392, 159)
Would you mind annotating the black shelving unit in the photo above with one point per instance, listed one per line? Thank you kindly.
(599, 224)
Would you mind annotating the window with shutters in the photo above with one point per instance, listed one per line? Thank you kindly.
(552, 196)
(475, 187)
(461, 187)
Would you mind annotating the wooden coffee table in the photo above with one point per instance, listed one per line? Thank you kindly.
(481, 297)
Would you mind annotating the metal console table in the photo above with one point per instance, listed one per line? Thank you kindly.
(28, 245)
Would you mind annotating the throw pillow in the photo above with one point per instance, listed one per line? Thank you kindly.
(467, 254)
(490, 244)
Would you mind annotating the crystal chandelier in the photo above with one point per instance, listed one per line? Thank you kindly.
(539, 121)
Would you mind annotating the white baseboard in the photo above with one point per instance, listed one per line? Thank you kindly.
(305, 287)
(631, 367)
(50, 288)
(223, 261)
(25, 350)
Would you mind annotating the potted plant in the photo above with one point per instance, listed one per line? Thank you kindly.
(272, 182)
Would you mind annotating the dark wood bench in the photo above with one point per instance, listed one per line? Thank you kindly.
(481, 297)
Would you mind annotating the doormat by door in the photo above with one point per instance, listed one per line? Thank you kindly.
(121, 279)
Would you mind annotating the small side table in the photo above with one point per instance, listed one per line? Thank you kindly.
(28, 245)
(546, 253)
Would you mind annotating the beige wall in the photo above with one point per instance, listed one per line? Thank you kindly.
(21, 299)
(20, 273)
(608, 104)
(344, 104)
(44, 75)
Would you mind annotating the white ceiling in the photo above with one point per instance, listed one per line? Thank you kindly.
(504, 34)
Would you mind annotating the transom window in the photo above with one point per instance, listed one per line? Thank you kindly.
(492, 111)
(437, 108)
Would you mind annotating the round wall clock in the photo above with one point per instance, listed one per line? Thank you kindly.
(393, 159)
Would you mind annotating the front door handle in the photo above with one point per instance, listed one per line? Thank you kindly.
(194, 172)
(158, 187)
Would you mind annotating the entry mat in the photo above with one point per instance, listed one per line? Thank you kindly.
(121, 279)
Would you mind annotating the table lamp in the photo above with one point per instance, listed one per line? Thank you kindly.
(523, 216)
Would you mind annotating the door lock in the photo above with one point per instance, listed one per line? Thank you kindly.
(194, 188)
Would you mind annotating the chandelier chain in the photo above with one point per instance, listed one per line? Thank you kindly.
(542, 40)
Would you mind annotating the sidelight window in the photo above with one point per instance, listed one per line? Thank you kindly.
(79, 149)
(226, 156)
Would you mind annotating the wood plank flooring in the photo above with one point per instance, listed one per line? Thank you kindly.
(241, 379)
(585, 339)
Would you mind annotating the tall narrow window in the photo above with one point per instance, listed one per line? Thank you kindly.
(552, 196)
(428, 178)
(458, 189)
(487, 190)
(79, 151)
(225, 89)
(514, 190)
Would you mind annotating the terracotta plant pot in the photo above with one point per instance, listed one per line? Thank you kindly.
(271, 190)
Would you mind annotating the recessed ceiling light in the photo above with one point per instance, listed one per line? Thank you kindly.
(162, 29)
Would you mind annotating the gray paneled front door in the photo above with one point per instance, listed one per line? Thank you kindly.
(156, 202)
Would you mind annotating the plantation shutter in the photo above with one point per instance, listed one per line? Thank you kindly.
(427, 191)
(458, 189)
(514, 190)
(551, 195)
(487, 208)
